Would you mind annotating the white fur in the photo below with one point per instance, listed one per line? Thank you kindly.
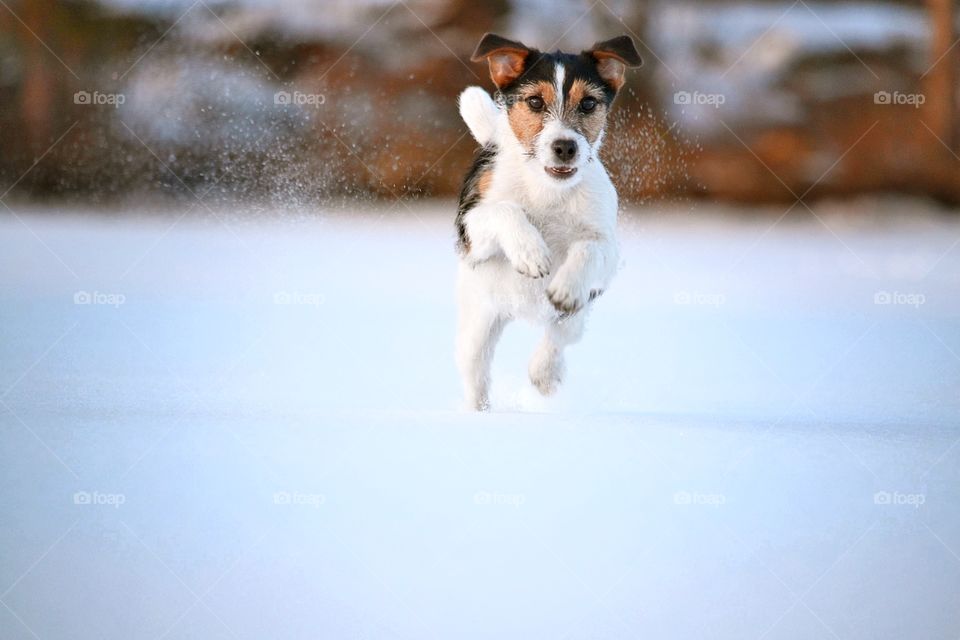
(558, 77)
(533, 239)
(479, 111)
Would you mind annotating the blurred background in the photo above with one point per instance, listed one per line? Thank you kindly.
(228, 400)
(310, 102)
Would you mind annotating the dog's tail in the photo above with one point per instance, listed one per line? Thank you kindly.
(479, 111)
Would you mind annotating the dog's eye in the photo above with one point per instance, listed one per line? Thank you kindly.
(535, 103)
(588, 104)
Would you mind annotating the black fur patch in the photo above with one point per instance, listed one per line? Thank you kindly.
(470, 193)
(541, 67)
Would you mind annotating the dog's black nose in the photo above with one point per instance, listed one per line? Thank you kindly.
(565, 150)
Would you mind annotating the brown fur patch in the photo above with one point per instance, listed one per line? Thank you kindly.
(483, 182)
(544, 90)
(589, 124)
(578, 91)
(611, 69)
(506, 66)
(525, 122)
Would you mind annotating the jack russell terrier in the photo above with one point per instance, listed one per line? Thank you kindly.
(537, 215)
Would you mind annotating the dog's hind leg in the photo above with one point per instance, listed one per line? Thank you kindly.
(477, 336)
(547, 365)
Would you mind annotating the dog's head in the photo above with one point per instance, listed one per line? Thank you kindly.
(557, 103)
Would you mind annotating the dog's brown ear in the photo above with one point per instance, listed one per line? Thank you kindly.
(505, 57)
(613, 57)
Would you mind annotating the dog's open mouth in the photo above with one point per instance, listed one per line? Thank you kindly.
(561, 172)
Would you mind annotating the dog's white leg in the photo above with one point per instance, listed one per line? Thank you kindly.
(479, 111)
(547, 366)
(584, 275)
(587, 270)
(503, 226)
(479, 329)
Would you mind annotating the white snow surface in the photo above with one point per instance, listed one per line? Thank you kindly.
(264, 439)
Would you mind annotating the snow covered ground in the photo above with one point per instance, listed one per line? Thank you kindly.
(252, 430)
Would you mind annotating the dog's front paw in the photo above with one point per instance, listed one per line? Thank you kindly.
(531, 256)
(566, 295)
(546, 370)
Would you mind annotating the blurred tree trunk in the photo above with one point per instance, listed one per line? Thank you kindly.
(941, 87)
(39, 83)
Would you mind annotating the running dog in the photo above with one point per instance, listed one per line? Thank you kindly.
(537, 216)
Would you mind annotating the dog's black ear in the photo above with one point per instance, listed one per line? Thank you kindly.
(613, 57)
(505, 57)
